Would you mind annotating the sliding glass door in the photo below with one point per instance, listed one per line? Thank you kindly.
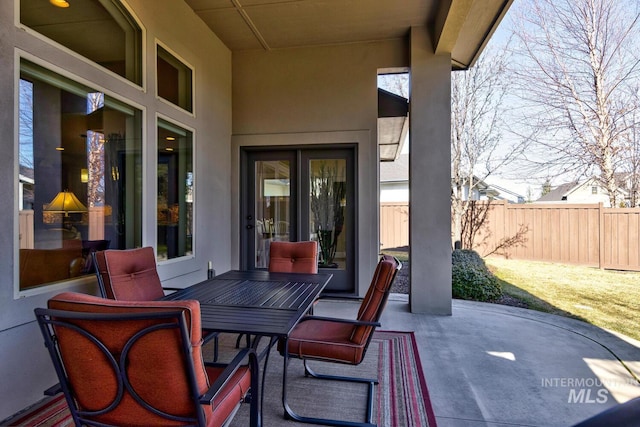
(301, 194)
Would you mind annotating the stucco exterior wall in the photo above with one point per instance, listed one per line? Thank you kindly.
(430, 178)
(325, 94)
(26, 370)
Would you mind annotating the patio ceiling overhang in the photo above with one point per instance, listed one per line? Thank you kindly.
(459, 27)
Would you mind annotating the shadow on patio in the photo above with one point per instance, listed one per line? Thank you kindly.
(494, 365)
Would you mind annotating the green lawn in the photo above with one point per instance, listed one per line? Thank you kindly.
(609, 299)
(402, 255)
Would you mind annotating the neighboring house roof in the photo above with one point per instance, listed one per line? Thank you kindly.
(508, 195)
(559, 193)
(396, 171)
(482, 190)
(480, 187)
(26, 174)
(581, 192)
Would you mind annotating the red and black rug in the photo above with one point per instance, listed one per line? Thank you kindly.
(402, 395)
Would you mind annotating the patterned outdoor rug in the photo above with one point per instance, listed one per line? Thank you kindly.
(402, 398)
(49, 413)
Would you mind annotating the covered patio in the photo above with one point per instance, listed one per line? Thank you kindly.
(230, 78)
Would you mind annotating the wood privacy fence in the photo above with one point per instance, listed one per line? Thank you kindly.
(585, 234)
(394, 225)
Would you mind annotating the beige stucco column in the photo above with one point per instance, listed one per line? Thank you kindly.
(429, 177)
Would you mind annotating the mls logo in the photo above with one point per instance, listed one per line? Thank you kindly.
(584, 395)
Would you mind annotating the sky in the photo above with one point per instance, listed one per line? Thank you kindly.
(512, 176)
(522, 175)
(515, 181)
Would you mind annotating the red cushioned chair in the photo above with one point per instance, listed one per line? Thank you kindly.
(293, 257)
(340, 340)
(290, 257)
(139, 363)
(131, 275)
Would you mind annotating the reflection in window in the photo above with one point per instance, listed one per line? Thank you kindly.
(272, 208)
(101, 30)
(80, 177)
(174, 80)
(175, 191)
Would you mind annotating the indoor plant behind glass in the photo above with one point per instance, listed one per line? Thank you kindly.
(327, 205)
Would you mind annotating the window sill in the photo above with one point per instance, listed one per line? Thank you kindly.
(57, 287)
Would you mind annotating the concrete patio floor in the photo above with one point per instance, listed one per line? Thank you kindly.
(494, 365)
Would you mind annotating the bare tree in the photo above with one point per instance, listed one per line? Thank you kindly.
(574, 62)
(397, 83)
(529, 195)
(546, 187)
(477, 108)
(629, 177)
(631, 153)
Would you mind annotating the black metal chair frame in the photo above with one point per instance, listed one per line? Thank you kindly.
(372, 382)
(622, 415)
(48, 319)
(211, 335)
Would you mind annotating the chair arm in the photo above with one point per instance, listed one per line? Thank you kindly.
(208, 335)
(340, 320)
(227, 373)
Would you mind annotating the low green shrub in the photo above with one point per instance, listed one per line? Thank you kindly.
(471, 279)
(467, 256)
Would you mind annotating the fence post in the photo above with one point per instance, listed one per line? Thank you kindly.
(506, 227)
(601, 247)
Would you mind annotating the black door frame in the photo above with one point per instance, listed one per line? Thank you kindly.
(344, 281)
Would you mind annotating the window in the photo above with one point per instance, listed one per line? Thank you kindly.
(80, 176)
(594, 189)
(175, 191)
(174, 80)
(100, 30)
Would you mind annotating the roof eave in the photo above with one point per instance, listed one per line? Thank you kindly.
(464, 27)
